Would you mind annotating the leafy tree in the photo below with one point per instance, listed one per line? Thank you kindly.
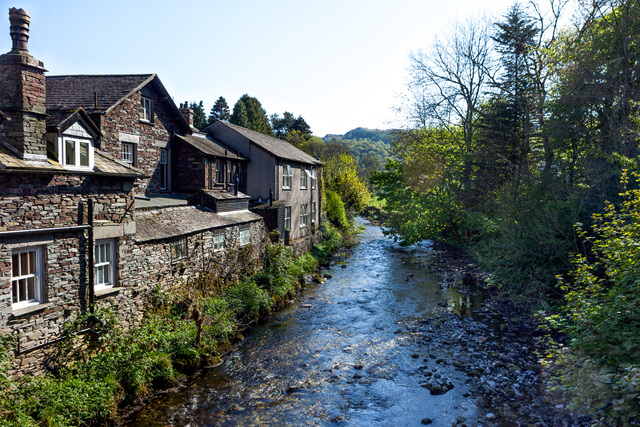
(199, 117)
(219, 111)
(256, 116)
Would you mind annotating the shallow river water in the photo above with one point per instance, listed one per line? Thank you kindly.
(343, 353)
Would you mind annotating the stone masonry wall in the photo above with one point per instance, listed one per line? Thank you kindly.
(36, 202)
(126, 118)
(190, 176)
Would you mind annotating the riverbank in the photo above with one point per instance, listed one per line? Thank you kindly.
(495, 342)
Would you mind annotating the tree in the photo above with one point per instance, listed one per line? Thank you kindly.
(219, 111)
(239, 116)
(448, 83)
(288, 124)
(199, 117)
(256, 116)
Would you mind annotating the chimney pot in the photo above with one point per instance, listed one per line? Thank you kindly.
(19, 30)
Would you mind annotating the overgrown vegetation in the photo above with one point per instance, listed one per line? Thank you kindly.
(522, 130)
(183, 330)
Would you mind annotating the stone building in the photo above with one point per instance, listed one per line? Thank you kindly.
(87, 212)
(285, 178)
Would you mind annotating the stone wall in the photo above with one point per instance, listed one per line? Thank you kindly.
(152, 135)
(193, 171)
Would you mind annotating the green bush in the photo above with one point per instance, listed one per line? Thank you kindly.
(336, 212)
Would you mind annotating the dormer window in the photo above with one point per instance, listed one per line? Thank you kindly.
(146, 109)
(77, 153)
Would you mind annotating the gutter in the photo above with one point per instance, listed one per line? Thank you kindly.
(5, 234)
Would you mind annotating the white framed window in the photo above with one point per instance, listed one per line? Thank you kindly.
(218, 241)
(219, 171)
(313, 211)
(128, 151)
(287, 217)
(314, 179)
(104, 264)
(287, 176)
(245, 235)
(229, 176)
(303, 178)
(304, 215)
(179, 249)
(146, 109)
(77, 153)
(26, 277)
(164, 169)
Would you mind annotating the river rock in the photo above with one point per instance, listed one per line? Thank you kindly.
(426, 421)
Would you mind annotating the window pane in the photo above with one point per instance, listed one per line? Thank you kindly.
(31, 288)
(14, 291)
(15, 263)
(70, 153)
(107, 252)
(84, 154)
(22, 284)
(24, 263)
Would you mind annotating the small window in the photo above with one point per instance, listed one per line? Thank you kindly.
(229, 177)
(314, 179)
(313, 211)
(287, 176)
(245, 235)
(287, 217)
(77, 153)
(303, 178)
(104, 264)
(129, 153)
(146, 109)
(26, 277)
(219, 172)
(304, 215)
(179, 249)
(164, 169)
(218, 241)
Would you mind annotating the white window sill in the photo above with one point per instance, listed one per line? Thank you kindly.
(26, 311)
(105, 292)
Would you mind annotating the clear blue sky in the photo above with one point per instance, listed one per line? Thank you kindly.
(340, 64)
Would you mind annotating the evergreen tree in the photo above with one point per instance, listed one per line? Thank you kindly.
(199, 117)
(255, 117)
(239, 116)
(219, 111)
(285, 125)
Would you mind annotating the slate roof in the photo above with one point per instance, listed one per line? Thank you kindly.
(276, 147)
(205, 145)
(70, 92)
(61, 120)
(172, 222)
(100, 93)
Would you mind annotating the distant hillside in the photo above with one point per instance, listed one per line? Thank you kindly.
(362, 133)
(370, 147)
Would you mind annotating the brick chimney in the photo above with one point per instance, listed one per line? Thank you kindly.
(23, 93)
(187, 113)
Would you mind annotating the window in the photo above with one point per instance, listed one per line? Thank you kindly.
(26, 277)
(314, 179)
(219, 172)
(218, 241)
(287, 217)
(77, 153)
(245, 235)
(146, 109)
(164, 169)
(304, 215)
(178, 249)
(129, 153)
(229, 177)
(313, 211)
(303, 178)
(287, 176)
(104, 264)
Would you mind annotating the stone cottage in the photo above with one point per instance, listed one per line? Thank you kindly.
(87, 212)
(282, 176)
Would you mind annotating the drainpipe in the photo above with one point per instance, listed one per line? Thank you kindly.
(91, 260)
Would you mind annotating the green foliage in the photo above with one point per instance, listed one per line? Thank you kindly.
(248, 113)
(219, 111)
(335, 210)
(199, 116)
(603, 293)
(340, 175)
(291, 129)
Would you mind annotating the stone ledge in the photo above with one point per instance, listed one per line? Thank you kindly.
(23, 312)
(104, 293)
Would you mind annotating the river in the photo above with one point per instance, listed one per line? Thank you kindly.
(343, 352)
